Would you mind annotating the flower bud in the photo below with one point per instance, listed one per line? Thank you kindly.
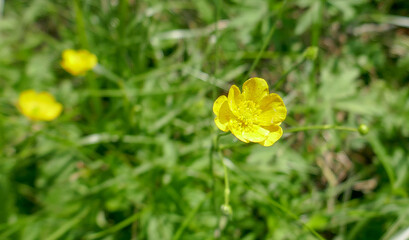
(363, 129)
(311, 53)
(227, 210)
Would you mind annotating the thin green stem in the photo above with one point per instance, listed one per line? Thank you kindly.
(1, 8)
(315, 36)
(321, 127)
(284, 76)
(211, 171)
(267, 40)
(83, 42)
(226, 206)
(123, 15)
(80, 24)
(316, 27)
(216, 33)
(215, 137)
(134, 92)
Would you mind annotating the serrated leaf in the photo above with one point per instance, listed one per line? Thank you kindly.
(308, 18)
(338, 82)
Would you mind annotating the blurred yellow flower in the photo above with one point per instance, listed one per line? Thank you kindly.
(38, 106)
(78, 62)
(252, 116)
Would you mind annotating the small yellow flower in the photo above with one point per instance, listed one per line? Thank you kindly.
(78, 62)
(252, 116)
(38, 106)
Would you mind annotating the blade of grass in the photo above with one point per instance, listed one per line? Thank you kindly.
(392, 229)
(189, 219)
(137, 93)
(114, 228)
(68, 225)
(383, 158)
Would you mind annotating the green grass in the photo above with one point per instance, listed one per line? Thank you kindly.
(134, 154)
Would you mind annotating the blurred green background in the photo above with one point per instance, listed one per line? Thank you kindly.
(134, 161)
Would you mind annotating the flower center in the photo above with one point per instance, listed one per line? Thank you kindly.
(248, 112)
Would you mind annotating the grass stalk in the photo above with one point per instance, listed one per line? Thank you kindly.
(266, 41)
(188, 219)
(121, 225)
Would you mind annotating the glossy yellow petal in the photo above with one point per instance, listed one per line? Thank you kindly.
(275, 133)
(236, 128)
(255, 89)
(67, 53)
(26, 95)
(221, 124)
(38, 106)
(273, 110)
(218, 104)
(223, 113)
(78, 62)
(234, 98)
(89, 59)
(253, 115)
(45, 97)
(255, 133)
(51, 111)
(25, 102)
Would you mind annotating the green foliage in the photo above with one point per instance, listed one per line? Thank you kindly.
(131, 155)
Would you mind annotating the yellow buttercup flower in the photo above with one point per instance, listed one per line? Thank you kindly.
(78, 62)
(254, 115)
(38, 106)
